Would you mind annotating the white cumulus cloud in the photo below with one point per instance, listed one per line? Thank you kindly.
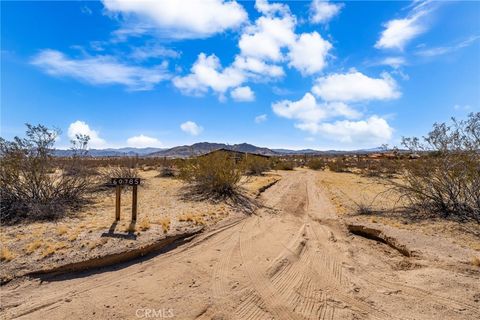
(308, 111)
(267, 37)
(207, 73)
(355, 86)
(174, 19)
(322, 11)
(269, 9)
(256, 68)
(364, 133)
(264, 45)
(309, 52)
(142, 141)
(100, 70)
(80, 127)
(191, 127)
(316, 118)
(243, 94)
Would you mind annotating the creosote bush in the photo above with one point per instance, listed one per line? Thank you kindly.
(316, 164)
(284, 165)
(214, 176)
(166, 172)
(255, 165)
(445, 180)
(379, 167)
(337, 165)
(31, 187)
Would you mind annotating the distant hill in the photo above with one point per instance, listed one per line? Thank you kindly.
(205, 147)
(110, 152)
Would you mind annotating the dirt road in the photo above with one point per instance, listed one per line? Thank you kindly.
(294, 259)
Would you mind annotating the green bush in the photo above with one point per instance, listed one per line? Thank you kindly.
(285, 165)
(338, 165)
(166, 172)
(316, 164)
(216, 175)
(255, 165)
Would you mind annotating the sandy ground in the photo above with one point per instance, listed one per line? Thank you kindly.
(347, 191)
(92, 233)
(293, 259)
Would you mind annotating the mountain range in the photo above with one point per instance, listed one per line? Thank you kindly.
(202, 148)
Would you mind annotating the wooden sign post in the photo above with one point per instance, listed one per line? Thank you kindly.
(118, 190)
(119, 183)
(134, 203)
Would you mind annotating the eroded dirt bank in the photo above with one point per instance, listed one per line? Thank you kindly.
(294, 259)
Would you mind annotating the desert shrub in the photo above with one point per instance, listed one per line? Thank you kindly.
(30, 185)
(212, 176)
(380, 167)
(337, 165)
(256, 166)
(284, 165)
(166, 172)
(363, 209)
(316, 164)
(446, 179)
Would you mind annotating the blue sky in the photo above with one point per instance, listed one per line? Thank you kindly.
(323, 75)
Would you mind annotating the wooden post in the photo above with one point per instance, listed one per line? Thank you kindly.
(134, 203)
(117, 202)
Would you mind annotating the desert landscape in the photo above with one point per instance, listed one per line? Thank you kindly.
(236, 235)
(240, 160)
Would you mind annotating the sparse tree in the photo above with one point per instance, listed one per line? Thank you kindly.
(446, 178)
(30, 185)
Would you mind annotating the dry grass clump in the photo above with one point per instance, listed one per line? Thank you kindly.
(52, 248)
(144, 224)
(33, 246)
(31, 187)
(190, 217)
(95, 244)
(165, 223)
(445, 180)
(61, 230)
(73, 236)
(6, 254)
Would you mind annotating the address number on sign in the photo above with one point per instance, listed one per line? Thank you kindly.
(125, 181)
